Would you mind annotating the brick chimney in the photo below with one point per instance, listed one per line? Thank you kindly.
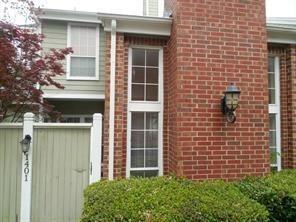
(215, 43)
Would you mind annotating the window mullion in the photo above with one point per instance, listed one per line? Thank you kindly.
(144, 152)
(145, 72)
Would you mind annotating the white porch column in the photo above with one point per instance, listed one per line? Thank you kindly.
(96, 148)
(25, 214)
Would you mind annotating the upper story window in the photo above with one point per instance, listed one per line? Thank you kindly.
(145, 75)
(83, 64)
(153, 8)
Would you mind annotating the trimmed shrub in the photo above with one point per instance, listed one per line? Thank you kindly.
(276, 191)
(168, 199)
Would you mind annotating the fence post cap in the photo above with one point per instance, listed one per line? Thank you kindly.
(97, 116)
(29, 115)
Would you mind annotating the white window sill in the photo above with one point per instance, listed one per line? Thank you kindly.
(83, 78)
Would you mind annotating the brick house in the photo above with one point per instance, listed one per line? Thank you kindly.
(158, 80)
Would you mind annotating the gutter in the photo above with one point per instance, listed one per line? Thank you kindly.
(280, 29)
(112, 99)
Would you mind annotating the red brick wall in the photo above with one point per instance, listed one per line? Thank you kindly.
(287, 55)
(291, 70)
(214, 43)
(171, 85)
(105, 161)
(120, 108)
(123, 42)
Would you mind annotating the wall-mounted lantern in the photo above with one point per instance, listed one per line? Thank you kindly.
(26, 143)
(229, 102)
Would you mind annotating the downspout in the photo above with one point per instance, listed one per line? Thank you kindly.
(112, 99)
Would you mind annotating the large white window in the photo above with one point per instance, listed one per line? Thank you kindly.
(83, 64)
(145, 111)
(274, 112)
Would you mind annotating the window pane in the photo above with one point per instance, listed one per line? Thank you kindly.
(272, 125)
(271, 80)
(138, 75)
(83, 67)
(137, 120)
(273, 156)
(152, 58)
(139, 57)
(137, 139)
(151, 158)
(151, 93)
(270, 64)
(88, 119)
(75, 40)
(147, 173)
(83, 40)
(137, 158)
(152, 75)
(272, 138)
(70, 120)
(137, 173)
(137, 92)
(151, 173)
(151, 139)
(91, 41)
(271, 96)
(151, 120)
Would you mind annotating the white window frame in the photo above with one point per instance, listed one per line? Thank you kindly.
(145, 106)
(96, 77)
(275, 109)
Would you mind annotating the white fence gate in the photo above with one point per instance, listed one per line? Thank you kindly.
(47, 182)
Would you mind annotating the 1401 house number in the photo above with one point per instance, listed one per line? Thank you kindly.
(26, 168)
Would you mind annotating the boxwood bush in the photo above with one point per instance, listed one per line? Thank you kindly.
(276, 191)
(168, 199)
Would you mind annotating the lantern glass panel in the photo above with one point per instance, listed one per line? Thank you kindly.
(235, 98)
(229, 100)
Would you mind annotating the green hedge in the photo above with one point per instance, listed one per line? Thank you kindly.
(168, 199)
(276, 191)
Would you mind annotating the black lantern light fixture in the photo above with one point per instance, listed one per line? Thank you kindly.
(26, 143)
(229, 102)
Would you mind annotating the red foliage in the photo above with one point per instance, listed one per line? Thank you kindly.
(24, 70)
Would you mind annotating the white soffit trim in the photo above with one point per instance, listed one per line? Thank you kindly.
(277, 36)
(281, 30)
(138, 24)
(74, 96)
(125, 23)
(68, 15)
(281, 20)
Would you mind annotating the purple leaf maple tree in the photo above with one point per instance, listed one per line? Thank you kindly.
(25, 68)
